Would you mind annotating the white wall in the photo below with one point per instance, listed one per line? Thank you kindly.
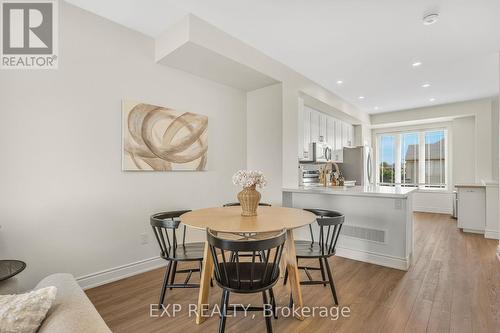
(264, 138)
(473, 135)
(498, 150)
(495, 119)
(464, 153)
(483, 112)
(65, 204)
(294, 84)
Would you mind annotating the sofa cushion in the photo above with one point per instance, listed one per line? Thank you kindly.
(24, 313)
(72, 311)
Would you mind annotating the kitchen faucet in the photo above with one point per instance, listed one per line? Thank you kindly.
(324, 172)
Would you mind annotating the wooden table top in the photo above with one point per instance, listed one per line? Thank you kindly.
(229, 219)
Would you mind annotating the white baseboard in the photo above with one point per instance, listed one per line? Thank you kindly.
(473, 231)
(117, 273)
(428, 209)
(374, 258)
(491, 234)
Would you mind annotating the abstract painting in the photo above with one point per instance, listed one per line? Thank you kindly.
(163, 139)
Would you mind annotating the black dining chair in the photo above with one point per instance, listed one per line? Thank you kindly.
(246, 277)
(330, 223)
(232, 204)
(261, 254)
(165, 226)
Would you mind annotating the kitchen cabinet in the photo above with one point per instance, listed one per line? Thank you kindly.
(314, 126)
(471, 208)
(338, 135)
(330, 132)
(347, 135)
(320, 127)
(306, 129)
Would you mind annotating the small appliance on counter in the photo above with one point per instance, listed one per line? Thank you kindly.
(318, 152)
(309, 177)
(349, 183)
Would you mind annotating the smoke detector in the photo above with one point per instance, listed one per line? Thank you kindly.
(430, 18)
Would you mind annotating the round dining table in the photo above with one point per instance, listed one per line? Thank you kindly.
(230, 220)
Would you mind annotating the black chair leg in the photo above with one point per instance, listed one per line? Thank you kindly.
(224, 303)
(165, 283)
(273, 303)
(332, 284)
(174, 270)
(269, 325)
(322, 268)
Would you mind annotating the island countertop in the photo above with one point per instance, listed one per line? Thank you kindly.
(365, 191)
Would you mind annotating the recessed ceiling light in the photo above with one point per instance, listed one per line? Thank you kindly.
(430, 18)
(376, 108)
(426, 85)
(416, 64)
(361, 97)
(432, 99)
(339, 82)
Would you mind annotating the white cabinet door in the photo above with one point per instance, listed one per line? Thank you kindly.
(330, 131)
(322, 127)
(307, 129)
(350, 135)
(345, 134)
(338, 134)
(300, 143)
(472, 209)
(314, 126)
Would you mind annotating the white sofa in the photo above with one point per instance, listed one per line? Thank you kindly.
(72, 311)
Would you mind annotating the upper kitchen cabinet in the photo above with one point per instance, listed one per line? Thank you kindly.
(347, 135)
(330, 132)
(315, 115)
(338, 135)
(316, 126)
(306, 130)
(322, 127)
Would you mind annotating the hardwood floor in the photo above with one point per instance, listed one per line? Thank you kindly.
(452, 286)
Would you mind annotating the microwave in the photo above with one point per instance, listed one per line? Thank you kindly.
(322, 151)
(318, 152)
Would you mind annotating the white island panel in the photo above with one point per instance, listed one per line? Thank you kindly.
(378, 227)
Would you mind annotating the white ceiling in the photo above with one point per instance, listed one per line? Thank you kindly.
(368, 44)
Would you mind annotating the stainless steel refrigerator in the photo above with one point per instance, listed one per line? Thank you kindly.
(357, 165)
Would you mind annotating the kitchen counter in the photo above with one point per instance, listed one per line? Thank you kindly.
(491, 183)
(366, 191)
(470, 185)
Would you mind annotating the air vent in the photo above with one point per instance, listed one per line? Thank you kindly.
(373, 235)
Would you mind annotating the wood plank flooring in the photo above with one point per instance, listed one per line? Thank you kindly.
(452, 286)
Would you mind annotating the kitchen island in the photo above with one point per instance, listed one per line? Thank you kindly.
(379, 220)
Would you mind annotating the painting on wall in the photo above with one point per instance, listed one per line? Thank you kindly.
(163, 139)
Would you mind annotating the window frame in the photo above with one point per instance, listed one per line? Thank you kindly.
(421, 131)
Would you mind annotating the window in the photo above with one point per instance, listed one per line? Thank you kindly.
(416, 158)
(409, 159)
(387, 159)
(434, 159)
